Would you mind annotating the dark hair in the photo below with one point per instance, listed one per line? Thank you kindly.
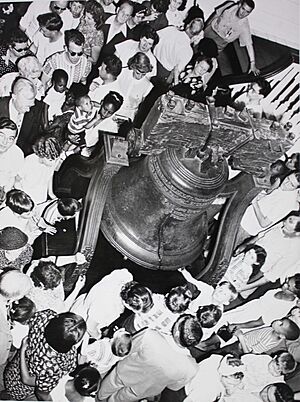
(286, 361)
(18, 201)
(182, 5)
(161, 6)
(193, 13)
(68, 206)
(265, 87)
(293, 331)
(174, 296)
(148, 32)
(283, 393)
(137, 296)
(86, 379)
(113, 65)
(97, 11)
(141, 62)
(137, 7)
(58, 74)
(46, 274)
(22, 310)
(297, 164)
(260, 258)
(75, 36)
(190, 331)
(297, 214)
(207, 47)
(5, 122)
(17, 36)
(64, 331)
(209, 315)
(48, 147)
(113, 98)
(50, 21)
(282, 174)
(296, 277)
(249, 3)
(208, 60)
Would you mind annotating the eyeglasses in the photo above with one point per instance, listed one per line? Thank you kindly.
(59, 8)
(76, 53)
(21, 50)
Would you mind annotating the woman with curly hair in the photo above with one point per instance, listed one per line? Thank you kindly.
(48, 290)
(36, 177)
(90, 26)
(134, 83)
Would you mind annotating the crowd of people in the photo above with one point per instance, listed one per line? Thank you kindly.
(70, 70)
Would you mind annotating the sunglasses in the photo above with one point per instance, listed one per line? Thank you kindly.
(60, 8)
(21, 50)
(75, 53)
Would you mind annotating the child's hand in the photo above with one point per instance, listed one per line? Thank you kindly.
(94, 85)
(80, 281)
(51, 230)
(80, 258)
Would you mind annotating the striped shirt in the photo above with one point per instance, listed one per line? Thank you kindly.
(76, 72)
(79, 119)
(261, 340)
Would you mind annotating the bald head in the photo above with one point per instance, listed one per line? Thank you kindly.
(23, 94)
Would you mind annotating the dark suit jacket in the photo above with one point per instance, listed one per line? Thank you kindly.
(30, 128)
(109, 47)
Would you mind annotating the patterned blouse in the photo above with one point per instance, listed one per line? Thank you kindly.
(19, 263)
(6, 66)
(195, 83)
(93, 37)
(42, 361)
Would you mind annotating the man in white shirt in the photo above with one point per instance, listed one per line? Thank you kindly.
(29, 23)
(267, 209)
(174, 49)
(109, 71)
(151, 365)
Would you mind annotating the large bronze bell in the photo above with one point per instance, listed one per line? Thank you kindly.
(155, 211)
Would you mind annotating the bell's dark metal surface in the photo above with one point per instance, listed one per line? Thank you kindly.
(155, 211)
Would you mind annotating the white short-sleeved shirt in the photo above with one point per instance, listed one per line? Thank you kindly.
(134, 92)
(275, 206)
(10, 218)
(283, 253)
(103, 89)
(45, 48)
(229, 27)
(173, 48)
(103, 303)
(36, 177)
(11, 165)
